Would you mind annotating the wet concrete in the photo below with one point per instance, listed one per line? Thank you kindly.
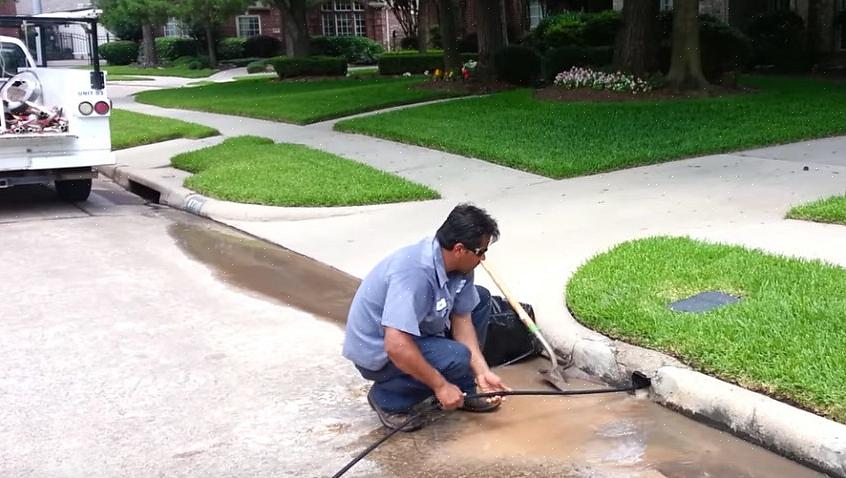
(610, 435)
(268, 269)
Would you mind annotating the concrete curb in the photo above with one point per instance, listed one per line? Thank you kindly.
(167, 182)
(797, 434)
(802, 436)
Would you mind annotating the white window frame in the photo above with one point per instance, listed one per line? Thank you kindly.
(238, 31)
(175, 28)
(346, 13)
(536, 12)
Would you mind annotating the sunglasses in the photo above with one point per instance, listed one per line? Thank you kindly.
(479, 251)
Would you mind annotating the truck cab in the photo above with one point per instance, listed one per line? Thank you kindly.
(54, 127)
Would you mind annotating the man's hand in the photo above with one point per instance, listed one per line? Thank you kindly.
(490, 382)
(450, 396)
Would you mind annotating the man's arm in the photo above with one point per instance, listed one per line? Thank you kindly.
(404, 353)
(464, 332)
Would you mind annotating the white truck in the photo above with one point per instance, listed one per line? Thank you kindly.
(54, 127)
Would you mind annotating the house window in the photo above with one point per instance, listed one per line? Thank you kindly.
(175, 28)
(666, 5)
(536, 13)
(777, 5)
(249, 26)
(343, 18)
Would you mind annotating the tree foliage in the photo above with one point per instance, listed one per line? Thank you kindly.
(406, 12)
(207, 16)
(144, 13)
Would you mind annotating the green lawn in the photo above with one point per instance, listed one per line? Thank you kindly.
(130, 129)
(127, 78)
(561, 140)
(785, 337)
(831, 210)
(182, 71)
(293, 101)
(258, 171)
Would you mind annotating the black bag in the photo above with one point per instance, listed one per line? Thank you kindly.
(508, 339)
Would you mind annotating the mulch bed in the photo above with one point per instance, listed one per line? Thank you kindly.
(466, 87)
(554, 93)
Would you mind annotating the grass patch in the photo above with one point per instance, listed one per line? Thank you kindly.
(831, 210)
(298, 102)
(256, 170)
(127, 70)
(561, 140)
(130, 129)
(255, 76)
(785, 338)
(127, 78)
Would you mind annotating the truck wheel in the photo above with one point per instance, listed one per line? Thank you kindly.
(74, 190)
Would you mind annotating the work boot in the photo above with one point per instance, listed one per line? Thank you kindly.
(394, 420)
(479, 405)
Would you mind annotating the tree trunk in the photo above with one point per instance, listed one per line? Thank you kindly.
(148, 45)
(493, 35)
(686, 62)
(449, 34)
(635, 45)
(423, 26)
(210, 44)
(296, 28)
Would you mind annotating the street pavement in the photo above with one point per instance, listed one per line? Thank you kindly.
(549, 228)
(138, 341)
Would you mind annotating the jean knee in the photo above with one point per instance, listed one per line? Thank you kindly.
(458, 362)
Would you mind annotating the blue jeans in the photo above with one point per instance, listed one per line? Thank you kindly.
(395, 391)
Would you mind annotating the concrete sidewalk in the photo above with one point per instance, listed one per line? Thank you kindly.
(549, 228)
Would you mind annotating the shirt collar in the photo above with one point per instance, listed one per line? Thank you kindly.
(440, 267)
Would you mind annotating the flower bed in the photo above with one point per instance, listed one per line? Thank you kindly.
(577, 77)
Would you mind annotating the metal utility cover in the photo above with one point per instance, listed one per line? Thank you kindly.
(703, 302)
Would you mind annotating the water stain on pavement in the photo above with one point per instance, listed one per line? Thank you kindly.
(609, 435)
(270, 270)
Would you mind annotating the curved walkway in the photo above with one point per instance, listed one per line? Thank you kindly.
(738, 198)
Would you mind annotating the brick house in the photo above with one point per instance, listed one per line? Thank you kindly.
(372, 19)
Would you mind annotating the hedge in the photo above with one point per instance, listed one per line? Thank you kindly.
(309, 66)
(122, 52)
(262, 46)
(230, 48)
(356, 50)
(171, 48)
(412, 62)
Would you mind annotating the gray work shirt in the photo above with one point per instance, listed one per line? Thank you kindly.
(410, 291)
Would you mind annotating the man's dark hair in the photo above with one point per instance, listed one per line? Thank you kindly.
(466, 224)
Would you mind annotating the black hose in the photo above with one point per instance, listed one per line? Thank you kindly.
(431, 404)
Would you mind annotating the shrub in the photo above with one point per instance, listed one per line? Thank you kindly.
(586, 78)
(776, 40)
(241, 61)
(171, 48)
(560, 59)
(600, 28)
(723, 48)
(309, 66)
(356, 50)
(413, 62)
(196, 62)
(230, 48)
(262, 46)
(122, 52)
(408, 43)
(258, 66)
(575, 29)
(518, 65)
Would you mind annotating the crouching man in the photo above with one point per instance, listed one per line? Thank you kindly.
(417, 323)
